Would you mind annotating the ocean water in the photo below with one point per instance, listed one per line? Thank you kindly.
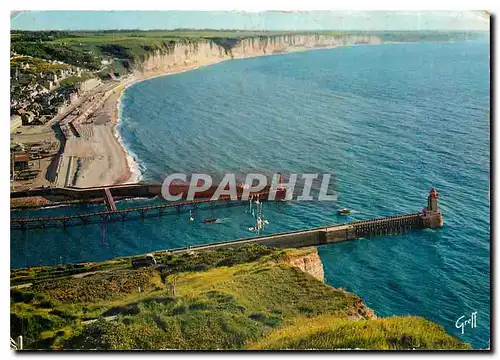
(389, 121)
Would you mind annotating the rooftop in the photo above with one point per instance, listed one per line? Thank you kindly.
(21, 157)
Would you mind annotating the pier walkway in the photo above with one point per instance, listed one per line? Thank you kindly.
(108, 195)
(321, 235)
(110, 202)
(111, 215)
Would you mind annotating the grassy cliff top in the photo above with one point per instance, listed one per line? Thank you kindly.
(245, 298)
(325, 332)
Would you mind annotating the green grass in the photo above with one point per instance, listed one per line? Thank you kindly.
(101, 286)
(222, 308)
(329, 332)
(256, 287)
(240, 298)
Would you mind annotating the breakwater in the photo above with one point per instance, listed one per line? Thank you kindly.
(327, 234)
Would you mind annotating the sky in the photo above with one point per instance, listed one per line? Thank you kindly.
(269, 20)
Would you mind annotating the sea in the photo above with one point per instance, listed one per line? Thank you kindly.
(389, 122)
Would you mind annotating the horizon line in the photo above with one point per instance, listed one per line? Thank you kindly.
(251, 30)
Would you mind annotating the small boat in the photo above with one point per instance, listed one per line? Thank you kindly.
(209, 220)
(344, 211)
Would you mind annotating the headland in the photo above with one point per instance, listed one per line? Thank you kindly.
(252, 298)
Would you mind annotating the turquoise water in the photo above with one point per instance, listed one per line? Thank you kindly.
(388, 121)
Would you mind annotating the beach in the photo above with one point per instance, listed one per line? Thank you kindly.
(99, 157)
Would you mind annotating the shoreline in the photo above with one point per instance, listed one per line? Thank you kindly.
(125, 168)
(134, 174)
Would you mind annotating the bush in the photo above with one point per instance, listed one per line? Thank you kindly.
(100, 286)
(31, 326)
(212, 259)
(21, 296)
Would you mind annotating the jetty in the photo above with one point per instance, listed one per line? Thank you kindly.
(108, 196)
(429, 217)
(321, 235)
(113, 215)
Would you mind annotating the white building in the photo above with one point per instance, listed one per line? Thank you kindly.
(90, 84)
(15, 122)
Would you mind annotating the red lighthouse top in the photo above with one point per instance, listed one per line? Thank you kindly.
(433, 193)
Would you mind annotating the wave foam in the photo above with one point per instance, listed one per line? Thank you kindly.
(133, 165)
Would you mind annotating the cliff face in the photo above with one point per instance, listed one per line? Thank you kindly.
(361, 312)
(204, 52)
(183, 55)
(287, 43)
(309, 262)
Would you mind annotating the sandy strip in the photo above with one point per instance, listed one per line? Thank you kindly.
(98, 157)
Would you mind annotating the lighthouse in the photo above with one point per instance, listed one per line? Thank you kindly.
(431, 215)
(432, 201)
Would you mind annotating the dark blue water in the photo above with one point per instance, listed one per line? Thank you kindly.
(389, 121)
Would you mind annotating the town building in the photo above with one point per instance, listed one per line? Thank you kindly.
(15, 122)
